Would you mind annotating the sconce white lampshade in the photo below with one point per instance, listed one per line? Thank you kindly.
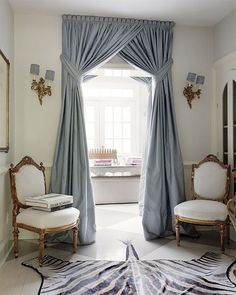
(191, 77)
(200, 80)
(34, 69)
(50, 75)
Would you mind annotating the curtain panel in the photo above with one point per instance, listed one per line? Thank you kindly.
(89, 42)
(163, 173)
(148, 82)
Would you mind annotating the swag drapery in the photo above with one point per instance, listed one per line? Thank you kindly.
(89, 42)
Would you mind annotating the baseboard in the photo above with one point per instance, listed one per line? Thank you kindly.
(5, 249)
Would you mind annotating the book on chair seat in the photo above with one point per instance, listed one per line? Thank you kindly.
(49, 201)
(52, 209)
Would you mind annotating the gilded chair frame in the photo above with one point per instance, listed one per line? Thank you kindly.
(224, 225)
(18, 206)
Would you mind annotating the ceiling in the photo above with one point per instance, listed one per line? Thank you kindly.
(183, 12)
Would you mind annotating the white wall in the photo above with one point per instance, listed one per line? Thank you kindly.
(224, 36)
(192, 52)
(38, 40)
(7, 46)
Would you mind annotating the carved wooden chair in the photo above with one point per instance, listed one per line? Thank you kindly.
(210, 187)
(27, 179)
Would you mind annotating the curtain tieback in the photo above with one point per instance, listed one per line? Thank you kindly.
(162, 72)
(70, 68)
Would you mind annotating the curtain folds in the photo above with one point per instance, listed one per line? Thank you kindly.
(87, 43)
(148, 82)
(163, 181)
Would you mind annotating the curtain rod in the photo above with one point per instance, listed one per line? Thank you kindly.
(87, 18)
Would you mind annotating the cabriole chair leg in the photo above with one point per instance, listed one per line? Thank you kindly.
(75, 238)
(222, 237)
(41, 247)
(45, 241)
(177, 229)
(16, 241)
(228, 231)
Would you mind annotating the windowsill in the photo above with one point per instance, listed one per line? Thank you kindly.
(115, 166)
(122, 175)
(115, 171)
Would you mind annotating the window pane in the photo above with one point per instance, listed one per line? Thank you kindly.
(108, 143)
(90, 130)
(108, 72)
(108, 130)
(126, 130)
(85, 91)
(117, 114)
(129, 93)
(117, 73)
(111, 112)
(90, 143)
(126, 146)
(118, 145)
(117, 130)
(108, 114)
(92, 92)
(89, 113)
(116, 92)
(126, 114)
(103, 93)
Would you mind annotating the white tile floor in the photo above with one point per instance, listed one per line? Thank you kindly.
(115, 223)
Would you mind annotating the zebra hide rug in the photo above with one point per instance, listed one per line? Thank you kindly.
(211, 274)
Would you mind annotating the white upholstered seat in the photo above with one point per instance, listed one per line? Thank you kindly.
(27, 179)
(42, 219)
(210, 185)
(202, 210)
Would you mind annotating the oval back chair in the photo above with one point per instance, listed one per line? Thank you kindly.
(27, 179)
(210, 187)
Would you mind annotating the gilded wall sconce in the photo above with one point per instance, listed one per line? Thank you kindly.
(193, 88)
(41, 86)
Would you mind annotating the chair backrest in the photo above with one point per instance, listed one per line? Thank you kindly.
(211, 180)
(27, 179)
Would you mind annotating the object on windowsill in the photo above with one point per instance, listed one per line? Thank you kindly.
(193, 88)
(103, 154)
(103, 162)
(134, 161)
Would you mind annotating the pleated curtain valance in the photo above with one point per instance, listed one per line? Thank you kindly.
(116, 20)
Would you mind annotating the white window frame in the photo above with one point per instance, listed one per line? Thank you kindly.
(99, 103)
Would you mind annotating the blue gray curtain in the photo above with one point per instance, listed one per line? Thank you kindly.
(151, 50)
(148, 82)
(87, 43)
